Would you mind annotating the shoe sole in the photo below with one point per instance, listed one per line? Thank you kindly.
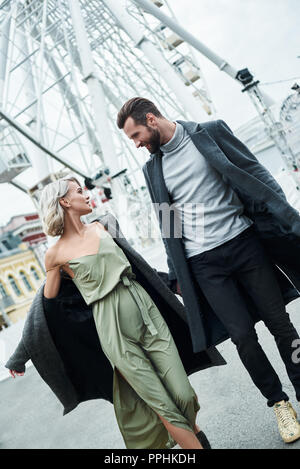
(292, 439)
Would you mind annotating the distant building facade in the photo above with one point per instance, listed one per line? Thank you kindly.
(22, 248)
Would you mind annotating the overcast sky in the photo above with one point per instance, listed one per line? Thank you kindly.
(262, 35)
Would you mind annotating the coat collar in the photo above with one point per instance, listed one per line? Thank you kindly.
(190, 126)
(206, 146)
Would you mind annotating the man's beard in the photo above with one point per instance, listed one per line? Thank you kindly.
(154, 141)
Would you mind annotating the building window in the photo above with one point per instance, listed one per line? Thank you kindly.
(34, 272)
(24, 278)
(14, 285)
(2, 290)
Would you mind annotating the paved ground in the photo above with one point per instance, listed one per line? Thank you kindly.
(233, 413)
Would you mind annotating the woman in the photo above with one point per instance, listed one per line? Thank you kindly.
(154, 403)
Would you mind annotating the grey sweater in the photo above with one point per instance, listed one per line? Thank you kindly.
(210, 211)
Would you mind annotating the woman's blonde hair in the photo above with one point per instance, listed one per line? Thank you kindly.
(51, 212)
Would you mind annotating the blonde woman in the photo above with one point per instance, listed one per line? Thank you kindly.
(154, 403)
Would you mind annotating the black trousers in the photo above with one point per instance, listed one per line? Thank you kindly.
(218, 272)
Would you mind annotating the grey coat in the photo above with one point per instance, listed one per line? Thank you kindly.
(275, 221)
(67, 353)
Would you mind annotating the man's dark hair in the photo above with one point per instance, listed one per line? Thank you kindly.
(137, 108)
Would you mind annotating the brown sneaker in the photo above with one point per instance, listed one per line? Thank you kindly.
(289, 427)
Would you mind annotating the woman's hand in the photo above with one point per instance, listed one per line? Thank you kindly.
(13, 372)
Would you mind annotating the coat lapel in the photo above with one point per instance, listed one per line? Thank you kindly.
(159, 194)
(155, 173)
(207, 147)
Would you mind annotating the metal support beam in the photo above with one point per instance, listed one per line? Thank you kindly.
(4, 37)
(221, 63)
(32, 138)
(164, 69)
(186, 36)
(96, 92)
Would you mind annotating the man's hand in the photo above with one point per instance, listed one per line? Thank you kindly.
(13, 372)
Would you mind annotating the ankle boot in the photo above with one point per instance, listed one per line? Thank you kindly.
(203, 440)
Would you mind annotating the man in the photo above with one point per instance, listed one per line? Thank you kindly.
(240, 263)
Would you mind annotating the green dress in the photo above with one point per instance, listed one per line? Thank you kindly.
(136, 340)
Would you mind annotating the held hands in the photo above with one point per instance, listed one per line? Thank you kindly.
(178, 291)
(13, 372)
(174, 286)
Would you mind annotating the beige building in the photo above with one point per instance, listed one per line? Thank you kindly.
(20, 277)
(22, 245)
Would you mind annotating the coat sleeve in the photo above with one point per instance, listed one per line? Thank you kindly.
(171, 284)
(171, 275)
(242, 157)
(18, 359)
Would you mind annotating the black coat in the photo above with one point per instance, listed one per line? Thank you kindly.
(275, 221)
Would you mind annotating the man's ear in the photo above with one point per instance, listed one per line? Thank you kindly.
(151, 119)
